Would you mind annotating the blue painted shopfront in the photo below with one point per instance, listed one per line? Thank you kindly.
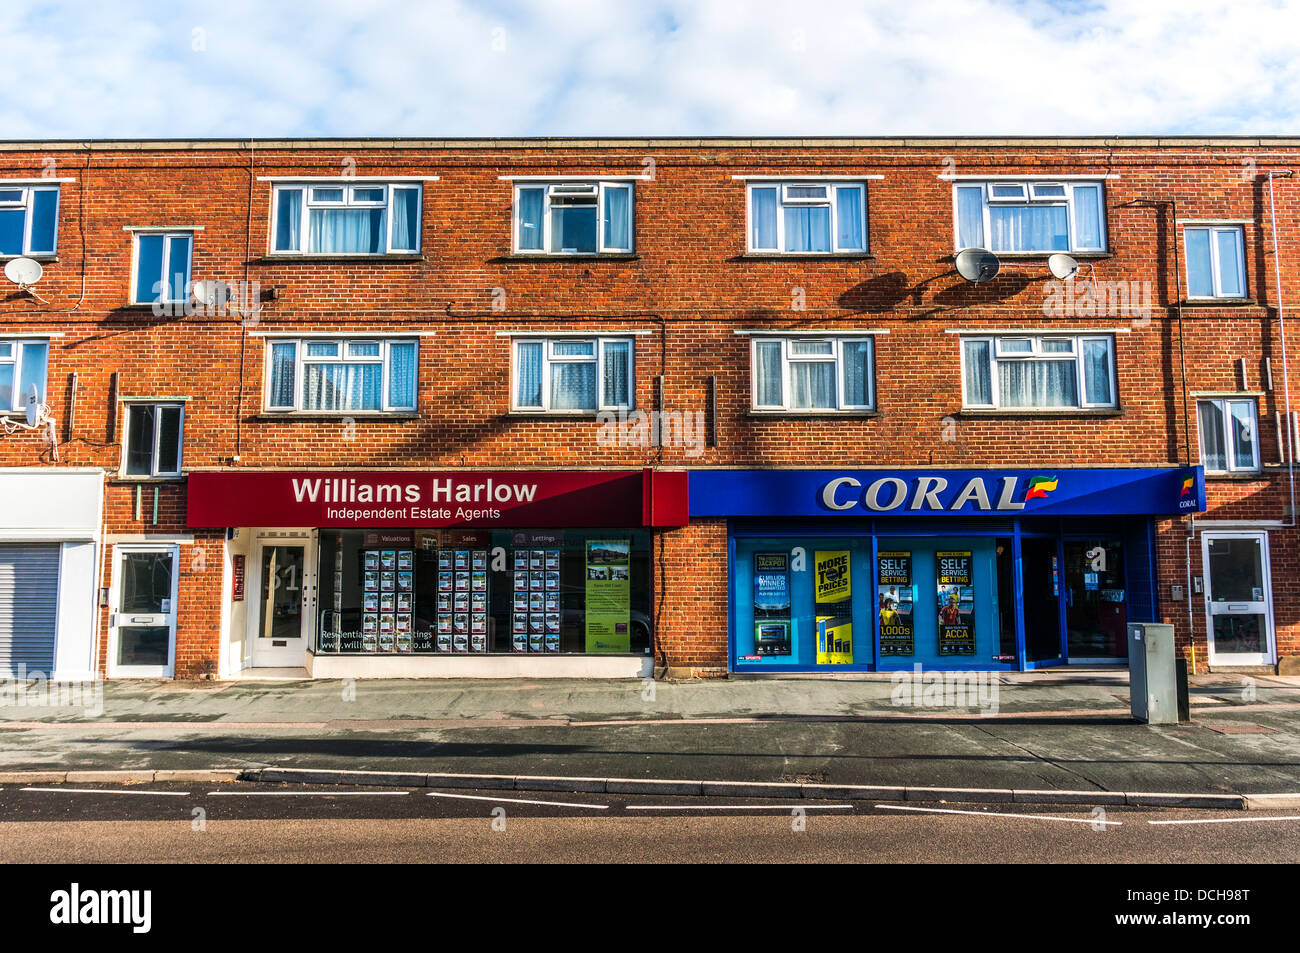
(1050, 564)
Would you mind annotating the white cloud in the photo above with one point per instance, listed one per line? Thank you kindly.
(677, 67)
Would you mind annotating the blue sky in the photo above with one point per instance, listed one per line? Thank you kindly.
(130, 68)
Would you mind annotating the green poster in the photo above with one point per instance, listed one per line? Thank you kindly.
(609, 596)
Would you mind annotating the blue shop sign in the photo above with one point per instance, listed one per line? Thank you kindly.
(1168, 491)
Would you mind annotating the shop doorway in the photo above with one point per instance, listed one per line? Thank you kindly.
(286, 601)
(1238, 598)
(1040, 584)
(142, 620)
(1096, 613)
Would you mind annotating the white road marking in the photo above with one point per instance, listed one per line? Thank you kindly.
(308, 793)
(1031, 817)
(518, 800)
(97, 791)
(738, 807)
(1227, 820)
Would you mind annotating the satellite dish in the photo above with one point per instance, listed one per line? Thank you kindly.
(24, 271)
(977, 265)
(210, 293)
(1062, 267)
(33, 404)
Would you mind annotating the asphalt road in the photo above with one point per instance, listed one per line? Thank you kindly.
(271, 823)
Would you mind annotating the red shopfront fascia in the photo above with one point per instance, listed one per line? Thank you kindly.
(437, 498)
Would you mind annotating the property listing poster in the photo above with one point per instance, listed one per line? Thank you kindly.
(956, 598)
(609, 596)
(536, 618)
(771, 604)
(834, 607)
(894, 578)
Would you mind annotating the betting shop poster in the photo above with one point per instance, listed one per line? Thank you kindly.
(771, 603)
(834, 607)
(956, 592)
(894, 578)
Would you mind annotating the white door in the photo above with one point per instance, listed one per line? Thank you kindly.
(1238, 598)
(142, 607)
(286, 601)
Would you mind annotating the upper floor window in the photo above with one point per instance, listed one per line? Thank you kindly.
(1228, 443)
(153, 440)
(572, 374)
(341, 374)
(29, 218)
(823, 373)
(1216, 267)
(162, 267)
(1039, 372)
(807, 217)
(345, 218)
(573, 218)
(1005, 216)
(23, 365)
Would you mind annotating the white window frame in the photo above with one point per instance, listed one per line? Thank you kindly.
(116, 613)
(167, 236)
(836, 356)
(1229, 454)
(1216, 270)
(343, 357)
(154, 472)
(602, 186)
(781, 186)
(16, 359)
(1029, 190)
(549, 358)
(997, 354)
(349, 187)
(27, 205)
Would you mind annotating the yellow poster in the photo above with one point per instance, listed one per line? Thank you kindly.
(834, 607)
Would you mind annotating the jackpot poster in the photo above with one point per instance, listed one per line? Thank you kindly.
(771, 603)
(609, 595)
(834, 589)
(956, 600)
(894, 582)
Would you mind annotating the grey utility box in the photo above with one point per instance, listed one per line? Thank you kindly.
(1152, 681)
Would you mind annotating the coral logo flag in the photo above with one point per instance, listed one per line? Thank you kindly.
(1187, 487)
(1040, 486)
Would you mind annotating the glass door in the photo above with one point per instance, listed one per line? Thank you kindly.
(1041, 585)
(286, 601)
(1238, 598)
(143, 612)
(1096, 614)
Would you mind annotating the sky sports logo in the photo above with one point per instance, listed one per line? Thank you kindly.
(76, 906)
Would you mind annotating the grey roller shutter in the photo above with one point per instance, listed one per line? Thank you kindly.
(29, 593)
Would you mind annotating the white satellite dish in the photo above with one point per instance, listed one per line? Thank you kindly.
(977, 265)
(23, 271)
(1062, 267)
(210, 293)
(33, 407)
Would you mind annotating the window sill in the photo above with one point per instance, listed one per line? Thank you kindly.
(577, 256)
(798, 414)
(43, 258)
(1044, 255)
(1240, 477)
(358, 415)
(975, 412)
(400, 258)
(127, 480)
(804, 256)
(565, 414)
(1218, 302)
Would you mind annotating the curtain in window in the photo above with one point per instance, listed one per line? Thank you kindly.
(1037, 383)
(767, 374)
(618, 219)
(1087, 216)
(1029, 228)
(807, 228)
(573, 386)
(617, 363)
(764, 219)
(341, 386)
(282, 367)
(857, 373)
(1229, 262)
(970, 216)
(531, 202)
(1096, 372)
(35, 360)
(848, 218)
(979, 384)
(401, 374)
(45, 215)
(406, 219)
(812, 384)
(528, 374)
(148, 268)
(288, 219)
(1243, 435)
(346, 231)
(1200, 283)
(1212, 434)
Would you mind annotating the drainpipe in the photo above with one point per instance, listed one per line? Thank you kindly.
(1288, 521)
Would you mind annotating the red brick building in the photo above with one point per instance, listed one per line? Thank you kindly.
(426, 406)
